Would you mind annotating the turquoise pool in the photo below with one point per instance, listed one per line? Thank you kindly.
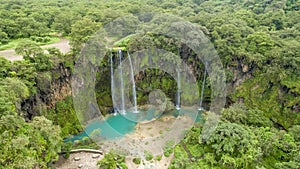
(117, 126)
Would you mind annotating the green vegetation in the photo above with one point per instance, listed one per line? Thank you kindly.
(148, 156)
(111, 160)
(168, 148)
(258, 43)
(64, 115)
(36, 141)
(158, 158)
(40, 41)
(237, 144)
(25, 145)
(137, 160)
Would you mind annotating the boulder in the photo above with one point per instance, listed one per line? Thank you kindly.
(245, 68)
(96, 156)
(76, 158)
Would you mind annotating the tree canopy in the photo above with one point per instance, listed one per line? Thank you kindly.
(258, 42)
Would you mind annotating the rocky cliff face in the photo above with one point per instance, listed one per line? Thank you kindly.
(51, 87)
(60, 87)
(56, 85)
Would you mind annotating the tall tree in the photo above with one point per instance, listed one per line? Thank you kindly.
(81, 32)
(28, 145)
(28, 48)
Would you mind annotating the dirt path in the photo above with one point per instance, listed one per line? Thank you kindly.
(10, 54)
(62, 45)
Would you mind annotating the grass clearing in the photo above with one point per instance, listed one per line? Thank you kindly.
(13, 44)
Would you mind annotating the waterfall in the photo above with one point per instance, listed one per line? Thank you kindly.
(112, 81)
(178, 90)
(123, 111)
(178, 86)
(202, 90)
(133, 86)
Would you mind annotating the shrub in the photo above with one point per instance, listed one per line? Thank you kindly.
(158, 158)
(168, 148)
(148, 155)
(136, 160)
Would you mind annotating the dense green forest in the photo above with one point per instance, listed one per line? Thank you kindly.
(258, 42)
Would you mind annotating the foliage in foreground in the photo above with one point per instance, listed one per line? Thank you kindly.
(25, 141)
(239, 144)
(112, 160)
(28, 145)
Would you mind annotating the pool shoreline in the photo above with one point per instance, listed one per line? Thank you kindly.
(117, 126)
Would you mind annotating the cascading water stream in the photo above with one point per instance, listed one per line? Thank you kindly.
(133, 86)
(112, 82)
(202, 90)
(178, 91)
(122, 111)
